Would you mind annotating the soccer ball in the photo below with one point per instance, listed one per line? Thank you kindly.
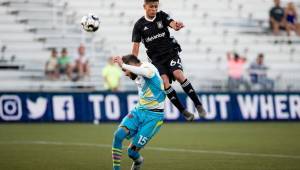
(90, 23)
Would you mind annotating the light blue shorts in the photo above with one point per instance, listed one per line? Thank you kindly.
(142, 125)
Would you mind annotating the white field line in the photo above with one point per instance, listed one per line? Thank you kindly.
(56, 143)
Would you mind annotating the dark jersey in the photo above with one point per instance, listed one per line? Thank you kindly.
(277, 13)
(155, 35)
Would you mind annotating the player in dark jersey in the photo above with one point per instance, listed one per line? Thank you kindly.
(163, 51)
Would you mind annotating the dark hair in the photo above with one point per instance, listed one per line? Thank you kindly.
(236, 56)
(130, 58)
(64, 50)
(261, 55)
(53, 50)
(147, 1)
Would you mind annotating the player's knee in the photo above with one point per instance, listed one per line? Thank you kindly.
(165, 77)
(179, 76)
(120, 134)
(166, 82)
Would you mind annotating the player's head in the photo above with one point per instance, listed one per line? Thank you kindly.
(131, 60)
(151, 7)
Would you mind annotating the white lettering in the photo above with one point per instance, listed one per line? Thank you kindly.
(132, 101)
(10, 108)
(211, 110)
(171, 112)
(266, 107)
(96, 100)
(248, 106)
(112, 107)
(223, 99)
(280, 106)
(295, 106)
(63, 108)
(159, 35)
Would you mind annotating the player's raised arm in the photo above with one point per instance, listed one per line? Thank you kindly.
(176, 25)
(145, 72)
(168, 21)
(134, 66)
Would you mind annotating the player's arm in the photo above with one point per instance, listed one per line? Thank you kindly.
(135, 48)
(176, 25)
(136, 39)
(168, 21)
(138, 70)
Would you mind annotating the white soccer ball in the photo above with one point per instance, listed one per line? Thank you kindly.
(90, 23)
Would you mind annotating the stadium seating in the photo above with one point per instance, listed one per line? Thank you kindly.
(29, 28)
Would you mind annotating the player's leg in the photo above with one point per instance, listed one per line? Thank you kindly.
(126, 129)
(172, 95)
(189, 90)
(149, 128)
(119, 135)
(176, 68)
(133, 153)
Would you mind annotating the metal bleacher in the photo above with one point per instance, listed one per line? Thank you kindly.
(29, 28)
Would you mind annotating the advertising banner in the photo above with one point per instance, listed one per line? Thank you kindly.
(112, 107)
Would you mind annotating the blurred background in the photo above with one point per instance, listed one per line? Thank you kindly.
(242, 57)
(215, 30)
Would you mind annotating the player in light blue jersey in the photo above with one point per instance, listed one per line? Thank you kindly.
(145, 120)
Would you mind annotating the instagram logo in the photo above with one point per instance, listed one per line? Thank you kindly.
(10, 108)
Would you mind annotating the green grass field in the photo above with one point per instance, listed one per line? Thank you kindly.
(202, 146)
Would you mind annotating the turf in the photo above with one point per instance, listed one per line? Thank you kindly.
(197, 146)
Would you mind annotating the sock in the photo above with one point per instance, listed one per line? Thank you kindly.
(119, 136)
(189, 90)
(134, 155)
(171, 93)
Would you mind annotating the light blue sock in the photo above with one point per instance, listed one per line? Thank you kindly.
(134, 155)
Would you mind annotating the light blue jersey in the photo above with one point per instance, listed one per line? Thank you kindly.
(145, 120)
(151, 90)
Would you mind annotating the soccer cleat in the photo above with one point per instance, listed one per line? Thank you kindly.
(137, 164)
(188, 115)
(201, 111)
